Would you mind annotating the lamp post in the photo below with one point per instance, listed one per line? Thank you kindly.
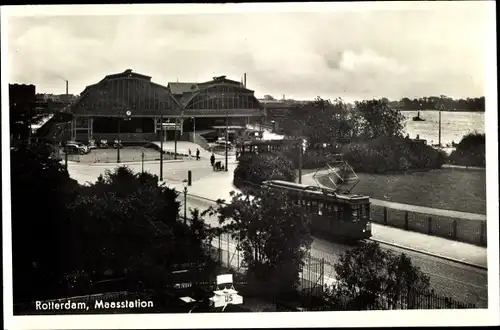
(227, 131)
(118, 144)
(161, 146)
(185, 183)
(142, 162)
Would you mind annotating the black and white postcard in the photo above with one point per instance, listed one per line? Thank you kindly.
(250, 165)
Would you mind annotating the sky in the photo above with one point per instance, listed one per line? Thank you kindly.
(413, 51)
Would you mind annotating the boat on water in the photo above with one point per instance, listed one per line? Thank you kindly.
(418, 118)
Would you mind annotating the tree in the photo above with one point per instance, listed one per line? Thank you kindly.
(322, 121)
(369, 277)
(273, 234)
(380, 119)
(470, 151)
(256, 168)
(40, 189)
(127, 225)
(269, 97)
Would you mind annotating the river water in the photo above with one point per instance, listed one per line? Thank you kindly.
(454, 125)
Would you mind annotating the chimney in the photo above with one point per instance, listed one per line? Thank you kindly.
(67, 88)
(245, 80)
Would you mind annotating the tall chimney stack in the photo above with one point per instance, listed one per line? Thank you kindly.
(67, 88)
(245, 80)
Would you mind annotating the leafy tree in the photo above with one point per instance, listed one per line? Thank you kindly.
(40, 188)
(380, 119)
(273, 234)
(256, 168)
(322, 121)
(128, 225)
(371, 278)
(471, 151)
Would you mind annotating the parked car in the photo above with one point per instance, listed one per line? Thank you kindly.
(222, 144)
(103, 144)
(117, 144)
(73, 147)
(92, 144)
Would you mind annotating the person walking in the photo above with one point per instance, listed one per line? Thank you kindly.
(212, 160)
(189, 154)
(197, 154)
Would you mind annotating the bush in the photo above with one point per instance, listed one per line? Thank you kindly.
(392, 154)
(256, 168)
(471, 151)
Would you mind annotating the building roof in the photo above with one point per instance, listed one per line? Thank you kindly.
(118, 93)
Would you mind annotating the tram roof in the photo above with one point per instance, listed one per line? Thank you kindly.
(315, 190)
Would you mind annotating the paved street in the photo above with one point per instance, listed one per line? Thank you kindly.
(464, 283)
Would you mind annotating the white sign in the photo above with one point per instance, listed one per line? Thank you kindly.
(225, 279)
(226, 296)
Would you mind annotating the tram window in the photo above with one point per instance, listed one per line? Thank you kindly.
(366, 213)
(356, 213)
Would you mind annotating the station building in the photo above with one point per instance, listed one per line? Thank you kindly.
(131, 105)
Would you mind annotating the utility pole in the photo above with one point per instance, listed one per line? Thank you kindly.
(118, 142)
(227, 129)
(175, 141)
(300, 160)
(439, 139)
(161, 146)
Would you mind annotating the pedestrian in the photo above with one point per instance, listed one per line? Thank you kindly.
(212, 160)
(189, 154)
(197, 154)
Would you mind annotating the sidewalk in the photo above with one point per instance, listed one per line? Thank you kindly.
(220, 184)
(184, 146)
(308, 179)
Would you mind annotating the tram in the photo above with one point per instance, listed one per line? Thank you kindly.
(263, 146)
(333, 215)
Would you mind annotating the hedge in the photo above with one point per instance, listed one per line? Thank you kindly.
(256, 168)
(380, 155)
(471, 151)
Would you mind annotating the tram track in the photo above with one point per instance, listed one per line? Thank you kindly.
(211, 202)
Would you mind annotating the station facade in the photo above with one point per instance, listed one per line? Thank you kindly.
(131, 105)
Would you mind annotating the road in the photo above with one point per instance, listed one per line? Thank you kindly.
(173, 172)
(458, 281)
(464, 283)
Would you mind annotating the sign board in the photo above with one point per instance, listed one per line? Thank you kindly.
(226, 297)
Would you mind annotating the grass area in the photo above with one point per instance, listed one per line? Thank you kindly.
(449, 189)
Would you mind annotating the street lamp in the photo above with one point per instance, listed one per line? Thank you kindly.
(185, 183)
(227, 130)
(118, 144)
(161, 146)
(142, 157)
